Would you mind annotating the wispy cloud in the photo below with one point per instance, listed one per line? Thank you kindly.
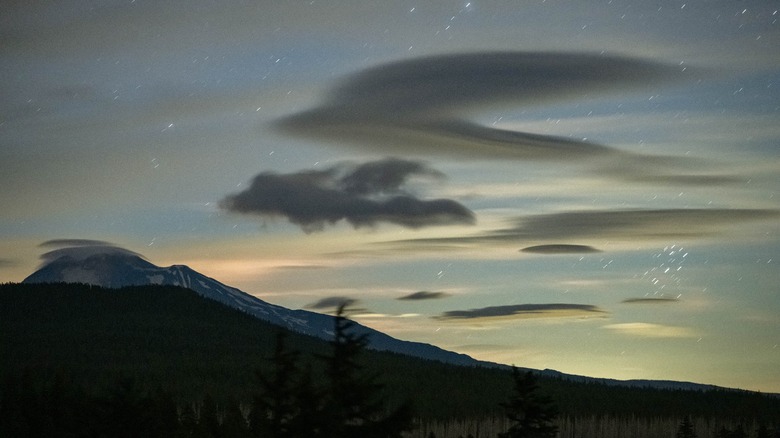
(526, 311)
(648, 330)
(661, 224)
(363, 195)
(424, 295)
(639, 224)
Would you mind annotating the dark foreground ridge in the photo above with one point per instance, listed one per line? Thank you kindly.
(146, 352)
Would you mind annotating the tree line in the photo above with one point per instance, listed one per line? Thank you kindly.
(349, 402)
(63, 346)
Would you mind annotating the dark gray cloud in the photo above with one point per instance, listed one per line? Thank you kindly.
(559, 248)
(5, 263)
(329, 303)
(424, 295)
(618, 224)
(650, 300)
(363, 195)
(526, 311)
(423, 105)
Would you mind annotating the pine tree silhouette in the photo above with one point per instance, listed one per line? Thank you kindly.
(354, 405)
(531, 413)
(274, 408)
(686, 429)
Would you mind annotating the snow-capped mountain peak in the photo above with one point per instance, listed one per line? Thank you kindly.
(114, 267)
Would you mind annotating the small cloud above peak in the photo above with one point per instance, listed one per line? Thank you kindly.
(63, 243)
(81, 249)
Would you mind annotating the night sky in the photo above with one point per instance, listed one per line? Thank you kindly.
(585, 186)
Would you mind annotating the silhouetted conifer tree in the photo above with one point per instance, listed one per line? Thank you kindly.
(310, 416)
(278, 409)
(738, 432)
(686, 429)
(210, 419)
(354, 405)
(233, 424)
(531, 413)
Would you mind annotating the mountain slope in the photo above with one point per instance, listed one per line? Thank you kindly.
(111, 267)
(170, 338)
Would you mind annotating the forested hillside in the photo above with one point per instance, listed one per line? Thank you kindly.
(103, 344)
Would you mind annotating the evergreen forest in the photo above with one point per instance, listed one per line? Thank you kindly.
(79, 360)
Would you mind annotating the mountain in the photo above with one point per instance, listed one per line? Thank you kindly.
(112, 267)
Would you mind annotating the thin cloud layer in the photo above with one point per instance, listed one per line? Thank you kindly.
(424, 295)
(526, 311)
(423, 105)
(650, 300)
(648, 330)
(560, 249)
(660, 224)
(363, 195)
(639, 224)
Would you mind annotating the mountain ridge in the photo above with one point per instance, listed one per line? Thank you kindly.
(115, 268)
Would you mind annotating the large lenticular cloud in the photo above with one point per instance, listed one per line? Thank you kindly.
(424, 105)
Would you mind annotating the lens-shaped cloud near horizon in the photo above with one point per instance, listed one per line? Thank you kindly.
(560, 248)
(423, 295)
(526, 311)
(363, 195)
